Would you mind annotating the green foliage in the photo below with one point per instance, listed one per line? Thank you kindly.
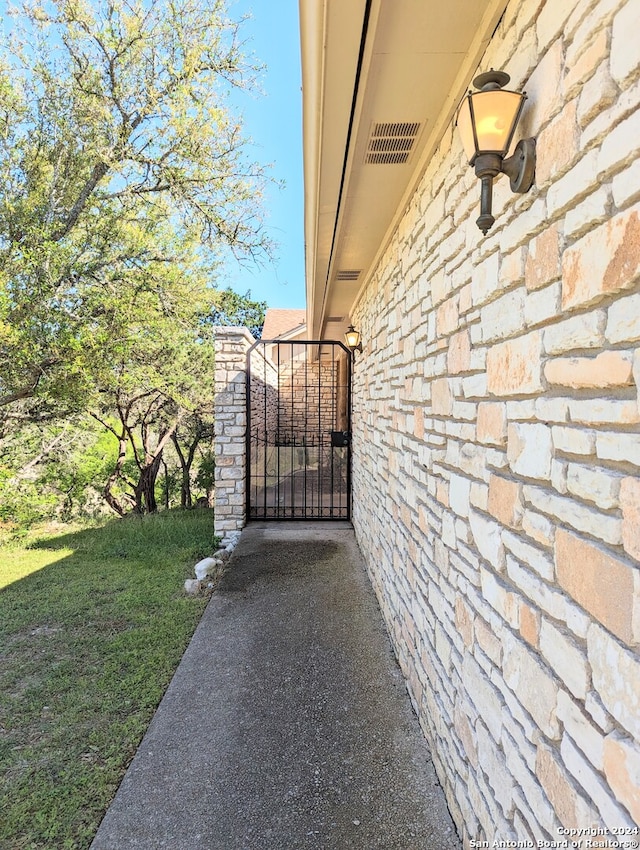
(235, 310)
(205, 477)
(53, 471)
(92, 625)
(122, 172)
(122, 175)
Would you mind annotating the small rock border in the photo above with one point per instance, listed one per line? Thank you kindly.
(209, 571)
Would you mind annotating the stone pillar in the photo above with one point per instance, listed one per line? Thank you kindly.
(230, 449)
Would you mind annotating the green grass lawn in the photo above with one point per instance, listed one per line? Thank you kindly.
(93, 624)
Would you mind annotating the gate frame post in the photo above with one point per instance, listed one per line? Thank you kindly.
(229, 442)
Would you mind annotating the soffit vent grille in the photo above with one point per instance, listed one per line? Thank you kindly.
(334, 319)
(391, 143)
(348, 274)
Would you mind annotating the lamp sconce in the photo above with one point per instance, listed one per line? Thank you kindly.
(353, 339)
(487, 121)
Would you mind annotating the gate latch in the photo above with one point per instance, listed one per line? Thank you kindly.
(340, 439)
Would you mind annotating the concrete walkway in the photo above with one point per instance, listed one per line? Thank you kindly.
(287, 724)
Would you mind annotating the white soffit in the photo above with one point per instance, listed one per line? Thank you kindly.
(381, 79)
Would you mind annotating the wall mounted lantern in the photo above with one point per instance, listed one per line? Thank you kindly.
(353, 339)
(487, 120)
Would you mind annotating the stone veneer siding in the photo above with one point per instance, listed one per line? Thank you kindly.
(496, 444)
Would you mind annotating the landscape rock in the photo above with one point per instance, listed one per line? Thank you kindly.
(205, 567)
(192, 586)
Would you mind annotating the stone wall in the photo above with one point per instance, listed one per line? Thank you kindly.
(309, 400)
(264, 394)
(496, 444)
(231, 346)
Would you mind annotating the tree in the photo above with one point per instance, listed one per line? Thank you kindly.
(119, 164)
(233, 310)
(186, 439)
(163, 374)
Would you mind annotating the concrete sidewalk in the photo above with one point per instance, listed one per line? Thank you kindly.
(287, 724)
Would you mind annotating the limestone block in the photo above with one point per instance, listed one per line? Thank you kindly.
(459, 491)
(582, 62)
(608, 369)
(573, 811)
(593, 705)
(492, 423)
(503, 317)
(535, 590)
(613, 815)
(616, 152)
(622, 769)
(587, 214)
(466, 735)
(493, 764)
(535, 559)
(557, 148)
(482, 695)
(487, 536)
(616, 678)
(603, 411)
(624, 53)
(538, 527)
(529, 220)
(574, 441)
(488, 641)
(521, 409)
(584, 331)
(603, 262)
(447, 317)
(598, 93)
(594, 485)
(543, 260)
(505, 501)
(536, 800)
(572, 187)
(441, 398)
(502, 600)
(485, 279)
(512, 268)
(623, 320)
(581, 729)
(530, 449)
(563, 655)
(459, 353)
(626, 185)
(603, 584)
(535, 688)
(543, 305)
(464, 621)
(630, 505)
(551, 22)
(544, 85)
(530, 622)
(514, 366)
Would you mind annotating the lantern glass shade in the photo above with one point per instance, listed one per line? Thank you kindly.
(487, 121)
(352, 337)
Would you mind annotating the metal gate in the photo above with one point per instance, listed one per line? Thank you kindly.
(298, 430)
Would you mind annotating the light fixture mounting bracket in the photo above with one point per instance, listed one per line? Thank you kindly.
(521, 166)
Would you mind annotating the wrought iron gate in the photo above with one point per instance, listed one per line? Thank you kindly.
(298, 430)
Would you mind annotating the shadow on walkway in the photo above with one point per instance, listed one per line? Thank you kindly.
(287, 724)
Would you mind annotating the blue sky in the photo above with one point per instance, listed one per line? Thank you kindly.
(274, 122)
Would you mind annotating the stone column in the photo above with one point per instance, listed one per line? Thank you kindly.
(230, 449)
